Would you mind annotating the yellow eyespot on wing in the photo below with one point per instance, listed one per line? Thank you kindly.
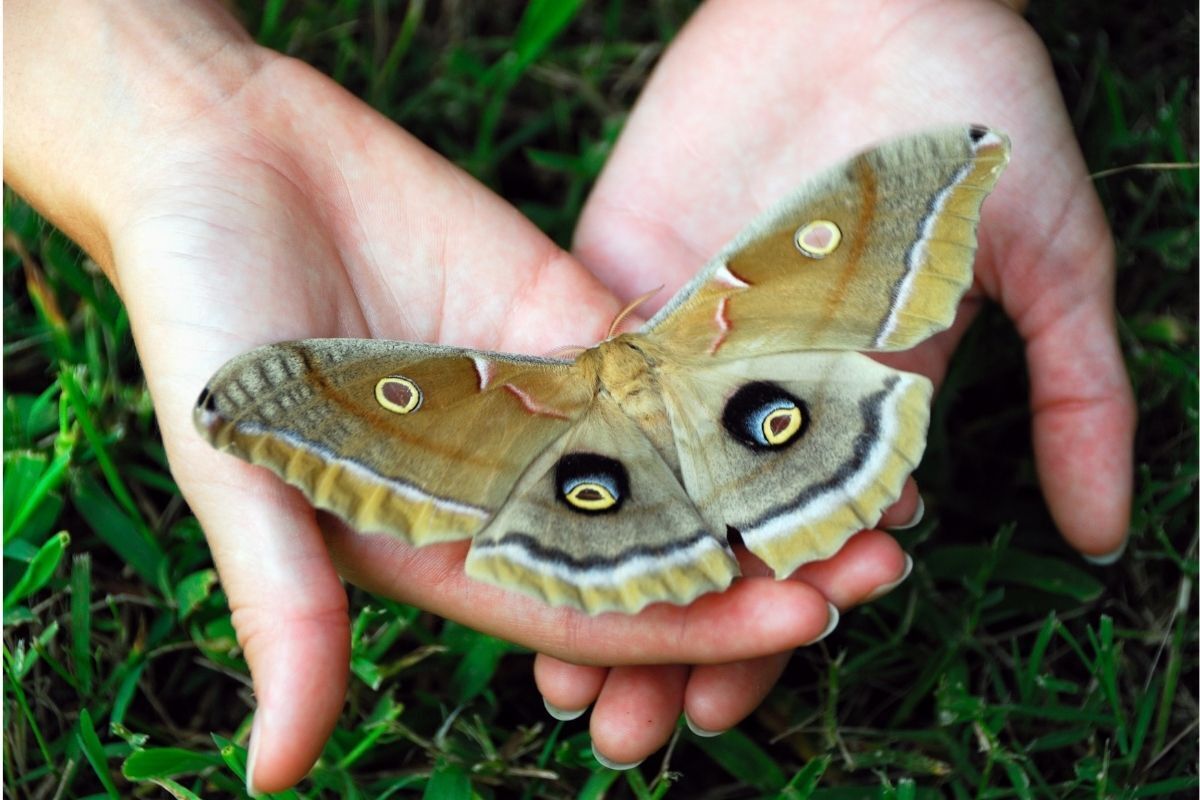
(781, 425)
(818, 238)
(398, 394)
(591, 483)
(591, 497)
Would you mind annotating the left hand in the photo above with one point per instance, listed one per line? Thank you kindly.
(750, 99)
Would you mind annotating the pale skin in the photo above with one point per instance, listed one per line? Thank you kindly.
(238, 198)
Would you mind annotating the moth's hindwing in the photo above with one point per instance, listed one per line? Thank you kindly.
(797, 451)
(600, 522)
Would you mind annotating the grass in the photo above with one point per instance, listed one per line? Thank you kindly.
(1004, 668)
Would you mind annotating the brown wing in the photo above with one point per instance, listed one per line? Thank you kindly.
(420, 441)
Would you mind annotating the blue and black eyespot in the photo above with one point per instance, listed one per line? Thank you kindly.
(591, 483)
(763, 416)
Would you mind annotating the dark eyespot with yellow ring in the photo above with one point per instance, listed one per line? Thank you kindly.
(764, 416)
(398, 394)
(590, 483)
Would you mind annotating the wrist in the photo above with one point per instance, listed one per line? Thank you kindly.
(90, 83)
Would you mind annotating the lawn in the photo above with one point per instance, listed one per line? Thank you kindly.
(1004, 667)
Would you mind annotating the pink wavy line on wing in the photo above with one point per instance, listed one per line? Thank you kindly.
(532, 406)
(724, 326)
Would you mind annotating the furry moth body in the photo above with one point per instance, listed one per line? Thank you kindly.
(609, 482)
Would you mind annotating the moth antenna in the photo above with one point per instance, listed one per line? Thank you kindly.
(566, 351)
(629, 308)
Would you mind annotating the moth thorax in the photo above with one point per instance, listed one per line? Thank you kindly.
(628, 377)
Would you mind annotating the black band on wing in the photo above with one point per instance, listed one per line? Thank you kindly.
(555, 555)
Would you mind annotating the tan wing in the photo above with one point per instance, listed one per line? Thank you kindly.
(796, 451)
(874, 254)
(600, 522)
(420, 441)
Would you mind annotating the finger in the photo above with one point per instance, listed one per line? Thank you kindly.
(635, 713)
(567, 689)
(289, 607)
(1051, 266)
(754, 617)
(870, 565)
(1083, 423)
(907, 512)
(719, 696)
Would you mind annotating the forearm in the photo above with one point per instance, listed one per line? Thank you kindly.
(88, 81)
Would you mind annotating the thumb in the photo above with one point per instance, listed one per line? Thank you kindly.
(289, 607)
(290, 613)
(1058, 288)
(1083, 422)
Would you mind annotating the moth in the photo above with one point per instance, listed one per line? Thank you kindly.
(613, 480)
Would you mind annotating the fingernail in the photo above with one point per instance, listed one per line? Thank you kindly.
(252, 757)
(1105, 559)
(696, 729)
(917, 516)
(562, 714)
(887, 587)
(834, 618)
(614, 764)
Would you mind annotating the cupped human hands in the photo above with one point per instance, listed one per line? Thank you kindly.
(277, 206)
(288, 209)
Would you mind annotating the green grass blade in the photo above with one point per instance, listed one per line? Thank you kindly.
(40, 570)
(30, 504)
(541, 23)
(448, 782)
(129, 676)
(177, 790)
(598, 783)
(81, 621)
(742, 758)
(99, 447)
(115, 528)
(193, 590)
(805, 782)
(89, 743)
(166, 762)
(18, 692)
(233, 755)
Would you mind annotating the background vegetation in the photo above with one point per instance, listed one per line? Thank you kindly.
(1005, 667)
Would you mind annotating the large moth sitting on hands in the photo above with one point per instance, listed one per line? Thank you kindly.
(612, 480)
